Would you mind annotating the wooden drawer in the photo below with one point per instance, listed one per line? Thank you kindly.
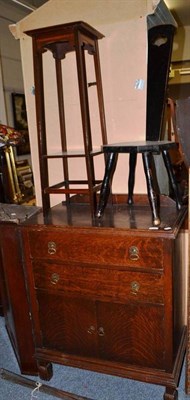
(99, 282)
(92, 248)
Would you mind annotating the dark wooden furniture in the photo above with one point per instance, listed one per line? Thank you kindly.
(100, 295)
(14, 298)
(160, 39)
(12, 285)
(108, 297)
(183, 131)
(1, 306)
(60, 40)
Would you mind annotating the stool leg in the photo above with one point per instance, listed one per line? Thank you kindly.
(150, 187)
(106, 183)
(131, 180)
(168, 165)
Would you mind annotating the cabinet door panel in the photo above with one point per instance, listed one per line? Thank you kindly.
(67, 324)
(131, 333)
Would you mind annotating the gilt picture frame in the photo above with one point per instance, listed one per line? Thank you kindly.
(20, 122)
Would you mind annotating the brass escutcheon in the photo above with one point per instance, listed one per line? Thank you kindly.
(133, 253)
(54, 278)
(135, 286)
(52, 248)
(101, 331)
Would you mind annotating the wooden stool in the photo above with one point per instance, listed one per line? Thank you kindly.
(160, 39)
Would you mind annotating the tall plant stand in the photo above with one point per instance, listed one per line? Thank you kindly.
(60, 40)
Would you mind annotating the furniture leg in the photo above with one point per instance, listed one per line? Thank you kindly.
(170, 394)
(150, 187)
(45, 370)
(106, 183)
(131, 180)
(168, 165)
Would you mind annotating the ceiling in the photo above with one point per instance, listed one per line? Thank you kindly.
(27, 5)
(180, 8)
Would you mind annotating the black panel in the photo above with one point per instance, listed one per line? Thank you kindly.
(160, 41)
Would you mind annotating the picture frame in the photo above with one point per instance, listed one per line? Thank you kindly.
(20, 122)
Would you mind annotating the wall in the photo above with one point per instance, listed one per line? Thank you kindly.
(179, 85)
(11, 76)
(181, 48)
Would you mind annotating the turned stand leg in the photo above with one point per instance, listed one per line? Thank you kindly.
(170, 394)
(106, 183)
(153, 197)
(131, 180)
(45, 370)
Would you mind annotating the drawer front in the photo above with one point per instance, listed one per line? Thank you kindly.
(100, 248)
(99, 282)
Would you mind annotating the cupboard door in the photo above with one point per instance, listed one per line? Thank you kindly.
(131, 333)
(67, 323)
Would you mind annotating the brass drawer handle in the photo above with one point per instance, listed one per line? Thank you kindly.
(91, 330)
(101, 331)
(54, 278)
(135, 286)
(133, 253)
(52, 248)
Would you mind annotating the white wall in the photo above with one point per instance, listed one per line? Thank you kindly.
(11, 78)
(181, 48)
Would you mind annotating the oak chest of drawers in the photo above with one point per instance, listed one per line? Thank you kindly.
(107, 298)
